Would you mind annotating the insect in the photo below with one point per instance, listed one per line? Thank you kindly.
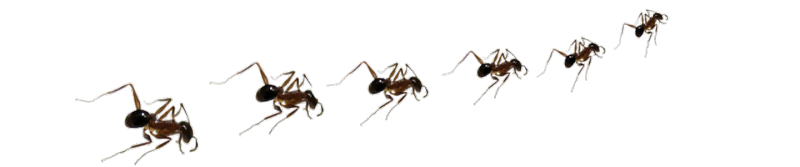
(156, 127)
(581, 53)
(648, 26)
(391, 86)
(282, 96)
(499, 67)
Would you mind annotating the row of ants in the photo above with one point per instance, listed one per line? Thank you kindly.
(396, 84)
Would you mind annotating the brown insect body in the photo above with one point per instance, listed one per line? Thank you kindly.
(499, 67)
(649, 25)
(399, 87)
(581, 54)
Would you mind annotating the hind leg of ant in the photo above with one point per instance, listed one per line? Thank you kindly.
(379, 108)
(354, 70)
(622, 33)
(397, 103)
(576, 77)
(487, 90)
(462, 60)
(287, 117)
(159, 147)
(548, 60)
(647, 49)
(501, 85)
(655, 39)
(278, 108)
(586, 76)
(146, 142)
(137, 102)
(240, 72)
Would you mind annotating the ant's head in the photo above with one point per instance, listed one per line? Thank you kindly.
(517, 64)
(311, 99)
(594, 47)
(484, 70)
(186, 131)
(416, 83)
(570, 60)
(660, 16)
(639, 30)
(267, 93)
(137, 119)
(377, 85)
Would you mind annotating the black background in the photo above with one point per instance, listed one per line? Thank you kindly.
(628, 105)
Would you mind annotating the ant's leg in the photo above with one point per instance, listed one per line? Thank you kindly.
(278, 111)
(501, 85)
(353, 71)
(387, 68)
(623, 31)
(379, 108)
(287, 117)
(655, 39)
(647, 46)
(399, 73)
(495, 52)
(586, 76)
(462, 60)
(137, 102)
(164, 106)
(397, 103)
(291, 75)
(307, 112)
(548, 59)
(574, 49)
(158, 147)
(487, 89)
(576, 78)
(146, 142)
(240, 72)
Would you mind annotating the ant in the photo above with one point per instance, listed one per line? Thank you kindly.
(389, 85)
(286, 98)
(158, 128)
(499, 67)
(579, 56)
(648, 26)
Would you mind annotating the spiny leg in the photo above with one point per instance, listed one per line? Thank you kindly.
(487, 89)
(268, 117)
(379, 108)
(576, 78)
(157, 147)
(137, 102)
(397, 103)
(548, 60)
(288, 116)
(621, 32)
(354, 70)
(240, 72)
(462, 60)
(147, 141)
(501, 85)
(160, 146)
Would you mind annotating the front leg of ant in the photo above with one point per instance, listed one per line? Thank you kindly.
(415, 95)
(623, 31)
(487, 89)
(307, 112)
(379, 108)
(397, 103)
(240, 72)
(268, 117)
(548, 60)
(137, 102)
(158, 147)
(354, 70)
(288, 116)
(501, 85)
(576, 78)
(146, 142)
(462, 60)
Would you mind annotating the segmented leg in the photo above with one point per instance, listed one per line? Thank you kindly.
(485, 91)
(461, 61)
(137, 102)
(355, 69)
(288, 116)
(277, 111)
(159, 147)
(377, 110)
(146, 142)
(397, 103)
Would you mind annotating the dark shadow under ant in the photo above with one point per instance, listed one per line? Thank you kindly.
(648, 26)
(499, 67)
(581, 53)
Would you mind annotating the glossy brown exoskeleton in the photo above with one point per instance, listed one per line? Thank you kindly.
(648, 26)
(581, 53)
(282, 96)
(156, 127)
(391, 86)
(499, 67)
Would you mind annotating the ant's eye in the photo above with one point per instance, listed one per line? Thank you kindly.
(377, 85)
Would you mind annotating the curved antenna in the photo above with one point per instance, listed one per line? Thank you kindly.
(263, 77)
(195, 144)
(354, 70)
(604, 49)
(526, 70)
(426, 91)
(321, 108)
(462, 60)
